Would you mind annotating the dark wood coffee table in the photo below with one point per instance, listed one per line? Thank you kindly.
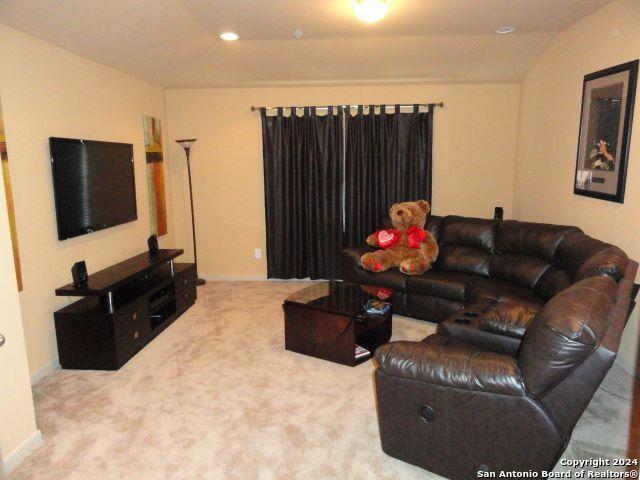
(326, 320)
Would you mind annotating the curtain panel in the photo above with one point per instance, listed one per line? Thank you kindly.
(388, 159)
(303, 184)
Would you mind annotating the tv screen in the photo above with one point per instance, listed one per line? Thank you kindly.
(94, 185)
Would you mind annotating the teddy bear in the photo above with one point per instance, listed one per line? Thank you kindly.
(407, 245)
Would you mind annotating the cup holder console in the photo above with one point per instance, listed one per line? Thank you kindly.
(463, 321)
(471, 314)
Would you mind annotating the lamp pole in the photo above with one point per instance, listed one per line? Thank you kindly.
(187, 143)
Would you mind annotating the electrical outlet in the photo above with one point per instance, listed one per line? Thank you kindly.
(257, 253)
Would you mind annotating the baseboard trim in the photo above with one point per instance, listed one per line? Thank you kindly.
(235, 278)
(44, 371)
(253, 278)
(17, 456)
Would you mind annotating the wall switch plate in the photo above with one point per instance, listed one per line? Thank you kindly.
(257, 253)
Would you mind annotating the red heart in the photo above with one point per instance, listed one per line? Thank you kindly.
(384, 236)
(387, 238)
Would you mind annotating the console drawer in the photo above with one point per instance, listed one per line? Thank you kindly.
(131, 328)
(186, 288)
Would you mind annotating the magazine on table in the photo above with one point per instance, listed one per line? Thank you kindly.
(377, 307)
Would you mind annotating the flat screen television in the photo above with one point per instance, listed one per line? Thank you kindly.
(93, 184)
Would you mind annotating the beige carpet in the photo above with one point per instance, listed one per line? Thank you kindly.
(216, 396)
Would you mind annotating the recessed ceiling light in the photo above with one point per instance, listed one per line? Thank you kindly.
(371, 11)
(229, 36)
(505, 29)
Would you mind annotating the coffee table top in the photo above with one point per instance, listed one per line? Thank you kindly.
(334, 297)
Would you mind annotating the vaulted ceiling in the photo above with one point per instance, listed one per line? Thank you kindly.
(175, 43)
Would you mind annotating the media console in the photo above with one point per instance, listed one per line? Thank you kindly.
(125, 307)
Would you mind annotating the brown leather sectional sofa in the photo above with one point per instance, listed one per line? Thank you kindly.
(530, 319)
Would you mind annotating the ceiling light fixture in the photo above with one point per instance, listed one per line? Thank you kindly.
(371, 11)
(229, 36)
(506, 29)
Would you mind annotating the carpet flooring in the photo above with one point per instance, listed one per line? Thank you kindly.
(216, 396)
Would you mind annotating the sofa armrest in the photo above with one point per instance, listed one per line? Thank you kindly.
(439, 361)
(510, 319)
(351, 258)
(610, 261)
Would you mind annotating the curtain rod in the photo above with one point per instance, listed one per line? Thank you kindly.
(439, 104)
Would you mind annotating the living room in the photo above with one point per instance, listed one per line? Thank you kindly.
(496, 93)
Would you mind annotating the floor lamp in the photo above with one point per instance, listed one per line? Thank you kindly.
(187, 143)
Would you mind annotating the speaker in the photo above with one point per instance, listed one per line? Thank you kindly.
(498, 213)
(152, 241)
(79, 274)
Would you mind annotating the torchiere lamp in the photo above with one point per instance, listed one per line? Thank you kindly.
(187, 143)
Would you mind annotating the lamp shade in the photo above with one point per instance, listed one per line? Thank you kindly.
(186, 143)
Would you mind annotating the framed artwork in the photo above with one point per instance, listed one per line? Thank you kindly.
(155, 174)
(608, 97)
(9, 198)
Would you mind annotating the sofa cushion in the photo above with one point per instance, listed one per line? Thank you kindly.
(504, 291)
(533, 239)
(582, 256)
(433, 225)
(466, 245)
(463, 259)
(440, 283)
(468, 231)
(565, 332)
(524, 270)
(432, 309)
(553, 281)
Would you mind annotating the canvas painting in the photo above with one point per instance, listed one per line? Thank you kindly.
(155, 175)
(9, 197)
(605, 129)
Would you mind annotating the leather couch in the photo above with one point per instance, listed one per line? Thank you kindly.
(530, 319)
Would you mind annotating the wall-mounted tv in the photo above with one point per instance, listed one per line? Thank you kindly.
(93, 184)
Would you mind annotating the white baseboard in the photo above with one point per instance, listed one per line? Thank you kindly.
(234, 278)
(15, 458)
(252, 278)
(44, 371)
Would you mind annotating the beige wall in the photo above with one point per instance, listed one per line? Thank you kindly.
(474, 158)
(45, 92)
(17, 421)
(550, 114)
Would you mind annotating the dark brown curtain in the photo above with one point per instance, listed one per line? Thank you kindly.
(387, 160)
(303, 193)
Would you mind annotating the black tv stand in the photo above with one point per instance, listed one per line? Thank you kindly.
(125, 307)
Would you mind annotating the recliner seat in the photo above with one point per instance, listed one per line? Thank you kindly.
(455, 408)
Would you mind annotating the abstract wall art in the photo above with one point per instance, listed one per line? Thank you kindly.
(9, 197)
(155, 175)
